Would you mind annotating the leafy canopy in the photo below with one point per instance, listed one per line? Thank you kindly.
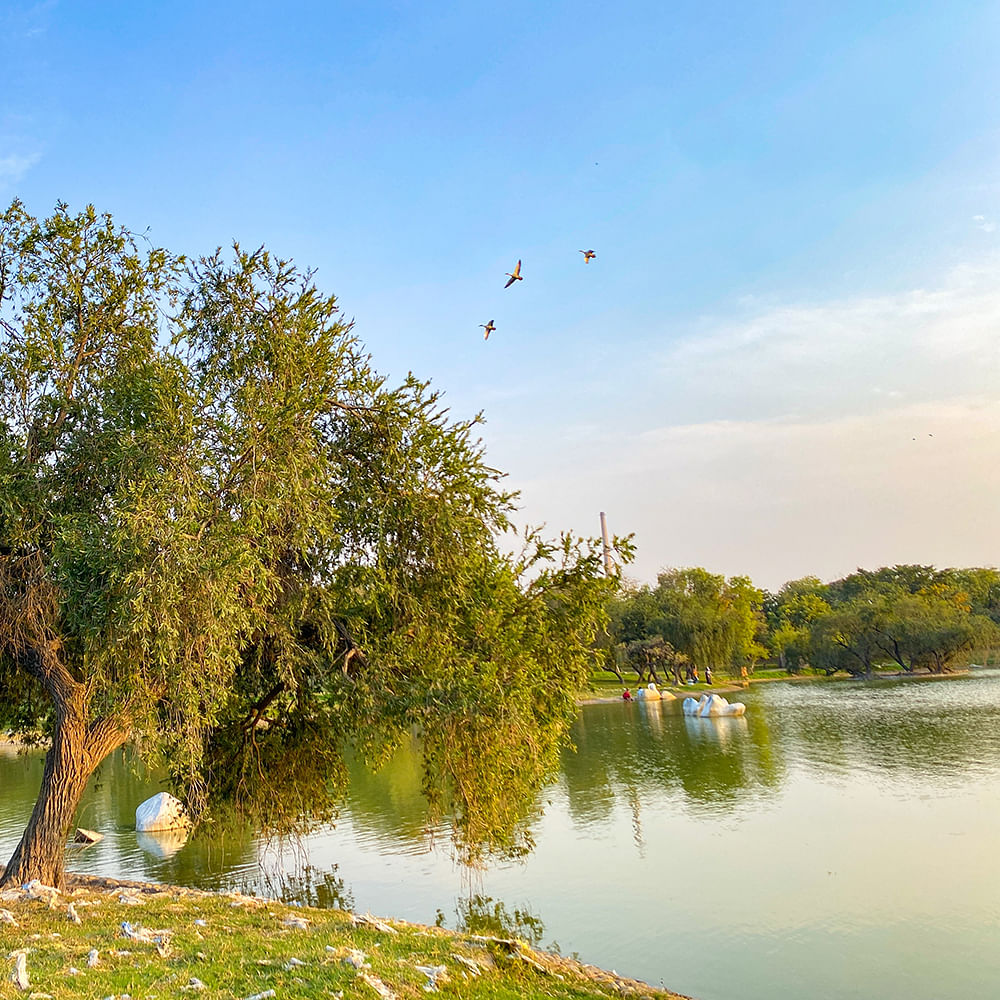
(249, 551)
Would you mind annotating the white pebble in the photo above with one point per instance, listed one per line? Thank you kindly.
(19, 976)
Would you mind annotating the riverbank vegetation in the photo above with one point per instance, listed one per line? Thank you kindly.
(100, 938)
(909, 619)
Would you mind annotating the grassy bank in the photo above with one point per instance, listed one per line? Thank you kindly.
(141, 941)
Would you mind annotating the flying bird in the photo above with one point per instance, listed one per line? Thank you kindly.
(514, 275)
(588, 256)
(489, 328)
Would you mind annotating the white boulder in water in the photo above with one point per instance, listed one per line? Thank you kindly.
(161, 812)
(711, 706)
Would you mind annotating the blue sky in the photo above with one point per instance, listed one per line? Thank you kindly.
(794, 207)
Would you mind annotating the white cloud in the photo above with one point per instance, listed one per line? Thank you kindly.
(836, 358)
(984, 224)
(782, 443)
(13, 167)
(28, 21)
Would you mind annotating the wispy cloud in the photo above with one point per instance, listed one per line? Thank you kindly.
(984, 224)
(28, 21)
(844, 357)
(802, 438)
(13, 167)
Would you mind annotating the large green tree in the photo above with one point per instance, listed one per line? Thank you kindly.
(714, 621)
(225, 539)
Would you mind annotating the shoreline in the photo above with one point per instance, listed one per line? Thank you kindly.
(486, 965)
(727, 688)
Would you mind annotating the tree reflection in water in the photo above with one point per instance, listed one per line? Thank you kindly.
(479, 914)
(633, 750)
(307, 884)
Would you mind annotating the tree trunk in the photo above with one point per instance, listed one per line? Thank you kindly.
(41, 852)
(76, 751)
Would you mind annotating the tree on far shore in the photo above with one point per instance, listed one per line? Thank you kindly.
(227, 541)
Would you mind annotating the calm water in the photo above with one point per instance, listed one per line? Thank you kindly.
(841, 840)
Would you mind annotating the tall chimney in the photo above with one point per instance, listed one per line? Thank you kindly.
(608, 566)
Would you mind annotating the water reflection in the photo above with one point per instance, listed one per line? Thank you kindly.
(774, 835)
(717, 731)
(716, 763)
(479, 914)
(914, 727)
(306, 884)
(162, 844)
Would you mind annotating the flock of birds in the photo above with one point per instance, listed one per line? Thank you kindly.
(515, 275)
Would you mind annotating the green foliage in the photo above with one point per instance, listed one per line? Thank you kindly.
(241, 549)
(916, 617)
(647, 657)
(712, 621)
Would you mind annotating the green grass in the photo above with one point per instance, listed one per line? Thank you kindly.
(245, 948)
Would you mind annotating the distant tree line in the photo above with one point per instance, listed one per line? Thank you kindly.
(914, 618)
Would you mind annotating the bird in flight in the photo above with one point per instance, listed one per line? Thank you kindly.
(514, 275)
(588, 256)
(489, 328)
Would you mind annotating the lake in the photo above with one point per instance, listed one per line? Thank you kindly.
(840, 840)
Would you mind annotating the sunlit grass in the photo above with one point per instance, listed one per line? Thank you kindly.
(231, 946)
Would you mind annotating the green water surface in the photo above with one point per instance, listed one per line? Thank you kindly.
(840, 840)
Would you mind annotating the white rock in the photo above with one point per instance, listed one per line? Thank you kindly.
(468, 963)
(377, 985)
(72, 915)
(161, 812)
(39, 890)
(19, 977)
(433, 974)
(367, 920)
(92, 959)
(6, 917)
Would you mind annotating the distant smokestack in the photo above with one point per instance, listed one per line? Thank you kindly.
(608, 566)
